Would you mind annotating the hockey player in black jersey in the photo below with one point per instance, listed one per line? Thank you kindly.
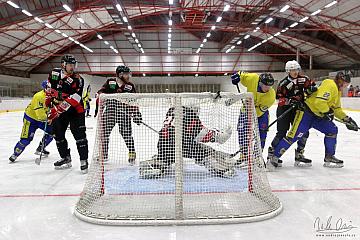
(64, 97)
(115, 112)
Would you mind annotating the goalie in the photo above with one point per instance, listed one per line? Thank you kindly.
(194, 135)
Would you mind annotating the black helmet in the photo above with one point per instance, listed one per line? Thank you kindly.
(267, 79)
(343, 76)
(122, 69)
(70, 59)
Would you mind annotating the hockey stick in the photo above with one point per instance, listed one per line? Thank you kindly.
(217, 95)
(237, 86)
(236, 153)
(341, 121)
(146, 125)
(38, 160)
(68, 128)
(281, 116)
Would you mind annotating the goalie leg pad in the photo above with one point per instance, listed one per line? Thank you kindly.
(152, 168)
(221, 164)
(213, 135)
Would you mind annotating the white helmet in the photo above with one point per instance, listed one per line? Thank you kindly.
(292, 65)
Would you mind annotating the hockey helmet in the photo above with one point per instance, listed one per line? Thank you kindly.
(122, 69)
(267, 79)
(343, 76)
(292, 65)
(68, 59)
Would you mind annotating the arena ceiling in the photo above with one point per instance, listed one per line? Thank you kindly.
(253, 35)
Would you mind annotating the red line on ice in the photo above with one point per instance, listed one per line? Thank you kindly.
(78, 194)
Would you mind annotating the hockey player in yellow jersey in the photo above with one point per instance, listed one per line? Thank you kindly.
(320, 109)
(87, 100)
(264, 96)
(35, 117)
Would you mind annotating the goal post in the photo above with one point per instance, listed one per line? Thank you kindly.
(198, 161)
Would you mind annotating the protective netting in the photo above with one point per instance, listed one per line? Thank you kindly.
(198, 160)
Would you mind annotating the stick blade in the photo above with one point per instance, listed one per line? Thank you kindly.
(37, 161)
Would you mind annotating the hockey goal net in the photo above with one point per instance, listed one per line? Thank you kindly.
(198, 161)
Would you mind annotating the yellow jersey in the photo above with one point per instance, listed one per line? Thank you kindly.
(86, 98)
(325, 98)
(262, 101)
(37, 109)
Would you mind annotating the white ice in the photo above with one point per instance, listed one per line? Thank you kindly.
(37, 202)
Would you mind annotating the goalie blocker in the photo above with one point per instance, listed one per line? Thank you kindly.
(194, 135)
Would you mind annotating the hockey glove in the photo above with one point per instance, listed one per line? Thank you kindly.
(235, 78)
(296, 103)
(137, 118)
(350, 124)
(311, 90)
(57, 110)
(48, 97)
(329, 115)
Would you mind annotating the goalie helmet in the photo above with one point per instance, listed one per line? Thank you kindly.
(267, 79)
(292, 65)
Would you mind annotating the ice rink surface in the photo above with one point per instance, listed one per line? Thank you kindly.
(37, 202)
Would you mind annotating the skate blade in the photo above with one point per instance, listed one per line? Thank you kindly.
(62, 167)
(270, 167)
(302, 165)
(279, 164)
(85, 171)
(329, 165)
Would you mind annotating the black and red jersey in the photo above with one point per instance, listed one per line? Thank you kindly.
(112, 86)
(293, 88)
(64, 87)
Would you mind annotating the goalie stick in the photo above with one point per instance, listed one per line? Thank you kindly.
(146, 125)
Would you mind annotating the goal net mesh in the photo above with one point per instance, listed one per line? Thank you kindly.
(176, 159)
